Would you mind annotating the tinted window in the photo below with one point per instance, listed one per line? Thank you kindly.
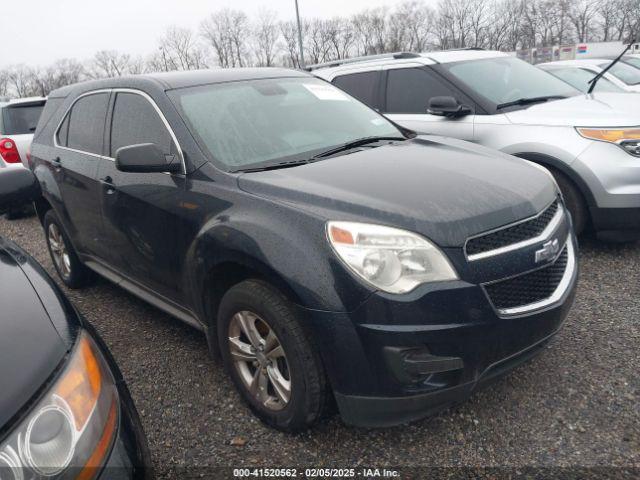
(410, 89)
(359, 85)
(135, 121)
(86, 123)
(20, 120)
(63, 132)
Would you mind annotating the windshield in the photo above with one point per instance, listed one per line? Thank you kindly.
(261, 122)
(635, 61)
(506, 79)
(20, 120)
(628, 74)
(580, 78)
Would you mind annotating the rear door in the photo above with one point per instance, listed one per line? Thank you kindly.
(79, 147)
(407, 91)
(142, 211)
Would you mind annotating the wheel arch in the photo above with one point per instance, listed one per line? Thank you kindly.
(562, 167)
(233, 268)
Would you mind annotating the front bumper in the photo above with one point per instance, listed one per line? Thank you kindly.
(449, 333)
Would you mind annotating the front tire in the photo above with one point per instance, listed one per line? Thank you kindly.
(65, 259)
(272, 363)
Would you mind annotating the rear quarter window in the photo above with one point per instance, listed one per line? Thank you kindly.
(84, 124)
(362, 86)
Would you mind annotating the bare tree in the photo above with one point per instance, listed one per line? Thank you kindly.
(371, 28)
(178, 50)
(289, 31)
(4, 83)
(583, 15)
(227, 32)
(266, 38)
(110, 63)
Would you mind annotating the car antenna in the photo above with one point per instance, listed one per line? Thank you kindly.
(595, 79)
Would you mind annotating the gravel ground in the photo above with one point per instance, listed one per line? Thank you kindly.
(577, 404)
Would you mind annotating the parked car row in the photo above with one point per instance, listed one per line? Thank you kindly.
(379, 243)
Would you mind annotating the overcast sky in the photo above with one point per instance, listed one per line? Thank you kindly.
(37, 32)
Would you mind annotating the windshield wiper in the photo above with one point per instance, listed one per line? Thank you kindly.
(355, 144)
(316, 158)
(527, 101)
(594, 80)
(276, 166)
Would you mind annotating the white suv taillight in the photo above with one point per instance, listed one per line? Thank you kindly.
(9, 151)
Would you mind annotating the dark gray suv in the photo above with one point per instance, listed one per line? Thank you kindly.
(323, 250)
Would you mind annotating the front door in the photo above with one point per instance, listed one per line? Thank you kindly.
(142, 211)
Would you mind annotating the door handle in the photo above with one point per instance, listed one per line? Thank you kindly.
(107, 182)
(57, 164)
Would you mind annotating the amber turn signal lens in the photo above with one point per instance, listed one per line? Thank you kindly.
(338, 235)
(610, 135)
(80, 388)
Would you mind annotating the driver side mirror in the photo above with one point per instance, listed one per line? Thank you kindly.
(18, 186)
(447, 107)
(146, 158)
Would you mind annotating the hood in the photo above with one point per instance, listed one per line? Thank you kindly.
(30, 346)
(595, 110)
(445, 189)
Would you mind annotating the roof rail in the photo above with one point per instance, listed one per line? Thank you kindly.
(366, 58)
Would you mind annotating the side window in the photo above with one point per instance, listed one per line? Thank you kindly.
(360, 85)
(135, 121)
(63, 131)
(410, 89)
(85, 127)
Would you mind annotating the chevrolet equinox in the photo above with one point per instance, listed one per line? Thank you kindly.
(325, 252)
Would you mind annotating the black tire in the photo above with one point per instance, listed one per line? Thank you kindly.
(74, 274)
(573, 200)
(308, 385)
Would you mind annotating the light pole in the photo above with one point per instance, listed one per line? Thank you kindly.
(299, 36)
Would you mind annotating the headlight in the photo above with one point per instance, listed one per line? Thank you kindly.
(392, 260)
(70, 431)
(627, 138)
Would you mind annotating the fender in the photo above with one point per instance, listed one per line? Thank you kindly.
(290, 250)
(549, 161)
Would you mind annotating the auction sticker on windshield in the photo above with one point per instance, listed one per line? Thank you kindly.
(325, 92)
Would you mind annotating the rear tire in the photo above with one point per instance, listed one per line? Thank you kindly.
(282, 379)
(72, 272)
(573, 200)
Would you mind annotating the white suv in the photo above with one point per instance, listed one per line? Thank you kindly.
(591, 143)
(18, 121)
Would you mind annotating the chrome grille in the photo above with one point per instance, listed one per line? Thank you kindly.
(513, 234)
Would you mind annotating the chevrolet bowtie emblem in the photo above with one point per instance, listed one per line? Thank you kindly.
(548, 251)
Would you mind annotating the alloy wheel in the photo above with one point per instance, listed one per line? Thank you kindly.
(260, 360)
(59, 251)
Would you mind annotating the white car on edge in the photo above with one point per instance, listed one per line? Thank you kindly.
(18, 121)
(590, 143)
(621, 78)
